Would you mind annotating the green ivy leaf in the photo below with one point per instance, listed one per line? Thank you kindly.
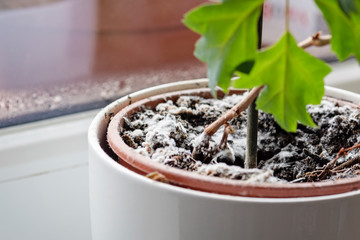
(293, 79)
(355, 17)
(344, 26)
(245, 67)
(347, 6)
(229, 37)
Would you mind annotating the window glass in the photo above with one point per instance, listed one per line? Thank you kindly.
(65, 56)
(305, 20)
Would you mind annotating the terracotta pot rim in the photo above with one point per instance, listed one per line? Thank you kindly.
(213, 184)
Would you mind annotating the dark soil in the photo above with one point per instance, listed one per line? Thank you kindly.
(168, 133)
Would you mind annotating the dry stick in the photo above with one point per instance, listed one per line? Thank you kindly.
(330, 165)
(342, 152)
(315, 40)
(316, 157)
(348, 163)
(353, 147)
(234, 111)
(228, 130)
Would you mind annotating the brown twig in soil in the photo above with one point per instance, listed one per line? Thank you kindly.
(213, 127)
(325, 172)
(227, 130)
(331, 165)
(327, 169)
(316, 157)
(234, 111)
(353, 147)
(315, 40)
(205, 153)
(339, 171)
(311, 176)
(348, 163)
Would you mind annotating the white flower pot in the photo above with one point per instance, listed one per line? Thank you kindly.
(126, 205)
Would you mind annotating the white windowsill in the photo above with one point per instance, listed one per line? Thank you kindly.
(44, 179)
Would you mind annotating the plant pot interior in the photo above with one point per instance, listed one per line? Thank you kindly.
(142, 165)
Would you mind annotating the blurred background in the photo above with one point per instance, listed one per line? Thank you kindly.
(62, 60)
(65, 56)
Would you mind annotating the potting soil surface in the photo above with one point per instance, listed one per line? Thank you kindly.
(328, 152)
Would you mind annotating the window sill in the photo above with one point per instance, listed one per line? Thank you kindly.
(44, 179)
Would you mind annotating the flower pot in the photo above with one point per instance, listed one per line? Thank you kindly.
(126, 205)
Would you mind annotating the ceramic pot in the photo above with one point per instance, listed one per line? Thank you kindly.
(127, 205)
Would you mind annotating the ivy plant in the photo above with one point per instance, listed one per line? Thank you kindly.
(289, 76)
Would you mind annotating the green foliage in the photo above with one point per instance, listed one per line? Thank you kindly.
(347, 6)
(229, 36)
(293, 79)
(343, 19)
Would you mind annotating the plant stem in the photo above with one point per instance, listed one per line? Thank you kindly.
(252, 118)
(251, 137)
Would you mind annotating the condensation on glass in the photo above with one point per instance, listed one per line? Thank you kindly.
(65, 56)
